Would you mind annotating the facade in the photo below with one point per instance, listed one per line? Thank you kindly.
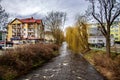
(2, 35)
(2, 39)
(25, 29)
(48, 36)
(93, 30)
(99, 40)
(114, 30)
(95, 37)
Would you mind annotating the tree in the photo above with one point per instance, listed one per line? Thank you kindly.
(77, 37)
(54, 22)
(3, 17)
(105, 12)
(81, 23)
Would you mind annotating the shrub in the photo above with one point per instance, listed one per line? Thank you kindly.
(21, 59)
(54, 47)
(109, 67)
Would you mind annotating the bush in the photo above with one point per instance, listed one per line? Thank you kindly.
(110, 68)
(54, 47)
(21, 59)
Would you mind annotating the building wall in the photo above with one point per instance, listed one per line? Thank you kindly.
(26, 31)
(49, 37)
(99, 39)
(93, 30)
(10, 29)
(9, 34)
(2, 35)
(115, 31)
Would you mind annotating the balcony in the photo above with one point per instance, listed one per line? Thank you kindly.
(14, 31)
(30, 30)
(31, 26)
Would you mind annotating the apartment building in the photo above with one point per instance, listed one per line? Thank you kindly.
(95, 37)
(114, 30)
(99, 40)
(29, 29)
(49, 37)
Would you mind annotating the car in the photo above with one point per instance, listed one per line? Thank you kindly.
(2, 42)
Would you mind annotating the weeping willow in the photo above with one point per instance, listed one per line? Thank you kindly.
(77, 37)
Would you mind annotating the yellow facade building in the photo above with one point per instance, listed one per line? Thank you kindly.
(25, 29)
(114, 30)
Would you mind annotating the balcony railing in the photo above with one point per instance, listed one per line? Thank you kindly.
(14, 31)
(30, 30)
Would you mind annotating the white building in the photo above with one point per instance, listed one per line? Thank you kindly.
(96, 40)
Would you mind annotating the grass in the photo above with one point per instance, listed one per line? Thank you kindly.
(109, 67)
(21, 60)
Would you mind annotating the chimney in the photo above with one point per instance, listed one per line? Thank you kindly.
(31, 17)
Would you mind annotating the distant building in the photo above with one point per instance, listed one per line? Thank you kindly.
(2, 35)
(49, 36)
(28, 29)
(114, 30)
(99, 40)
(95, 37)
(2, 38)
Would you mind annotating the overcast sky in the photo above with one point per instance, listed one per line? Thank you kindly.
(39, 8)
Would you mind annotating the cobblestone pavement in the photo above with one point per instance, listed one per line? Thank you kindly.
(67, 66)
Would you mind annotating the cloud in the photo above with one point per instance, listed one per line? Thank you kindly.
(17, 8)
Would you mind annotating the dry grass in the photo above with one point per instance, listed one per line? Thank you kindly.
(109, 67)
(22, 59)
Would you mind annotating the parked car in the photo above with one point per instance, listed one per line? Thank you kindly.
(2, 42)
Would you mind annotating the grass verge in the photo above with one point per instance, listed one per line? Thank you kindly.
(109, 67)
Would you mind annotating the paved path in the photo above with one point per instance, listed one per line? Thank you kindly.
(67, 66)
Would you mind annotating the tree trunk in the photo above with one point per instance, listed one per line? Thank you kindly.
(108, 44)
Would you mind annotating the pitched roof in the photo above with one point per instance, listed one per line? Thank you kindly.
(29, 20)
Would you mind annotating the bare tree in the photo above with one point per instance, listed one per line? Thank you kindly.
(54, 22)
(3, 17)
(105, 12)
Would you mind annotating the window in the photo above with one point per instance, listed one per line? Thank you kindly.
(100, 40)
(116, 34)
(116, 30)
(116, 38)
(23, 24)
(93, 40)
(13, 26)
(112, 35)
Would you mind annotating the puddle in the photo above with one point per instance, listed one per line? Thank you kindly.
(65, 64)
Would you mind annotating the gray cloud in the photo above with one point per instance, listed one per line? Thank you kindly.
(25, 8)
